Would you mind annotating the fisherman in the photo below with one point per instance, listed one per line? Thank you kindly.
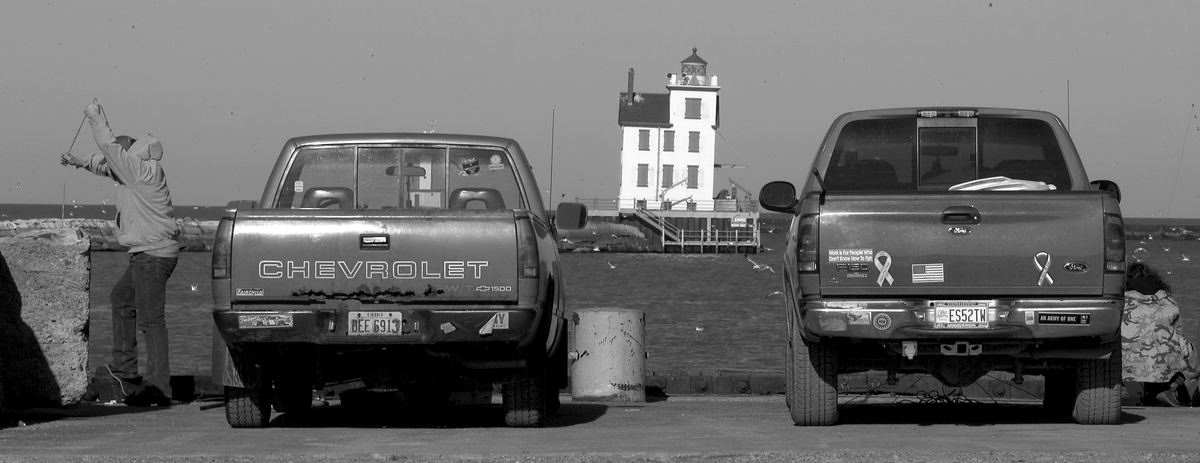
(146, 224)
(1154, 350)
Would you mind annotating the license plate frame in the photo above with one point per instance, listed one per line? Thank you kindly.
(375, 323)
(961, 315)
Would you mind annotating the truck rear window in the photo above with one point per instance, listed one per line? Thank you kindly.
(911, 154)
(400, 177)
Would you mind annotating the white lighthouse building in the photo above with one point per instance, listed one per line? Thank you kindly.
(669, 179)
(668, 141)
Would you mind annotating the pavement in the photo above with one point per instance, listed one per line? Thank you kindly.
(703, 428)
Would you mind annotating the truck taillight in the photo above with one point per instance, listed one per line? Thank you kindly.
(1114, 244)
(806, 244)
(222, 241)
(527, 251)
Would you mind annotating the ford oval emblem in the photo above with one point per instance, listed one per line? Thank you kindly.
(959, 231)
(1076, 267)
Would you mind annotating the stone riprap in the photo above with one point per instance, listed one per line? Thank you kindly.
(194, 235)
(44, 278)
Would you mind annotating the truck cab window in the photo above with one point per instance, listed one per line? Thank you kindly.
(320, 178)
(482, 179)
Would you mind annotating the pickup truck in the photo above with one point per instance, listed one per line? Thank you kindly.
(402, 268)
(953, 242)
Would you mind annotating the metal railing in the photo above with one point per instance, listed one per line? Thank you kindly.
(702, 205)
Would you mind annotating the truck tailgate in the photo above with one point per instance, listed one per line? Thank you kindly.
(991, 243)
(384, 256)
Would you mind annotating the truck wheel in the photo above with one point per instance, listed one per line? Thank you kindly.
(525, 400)
(247, 407)
(1058, 397)
(812, 385)
(1098, 397)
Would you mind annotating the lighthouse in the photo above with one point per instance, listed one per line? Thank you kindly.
(668, 141)
(668, 176)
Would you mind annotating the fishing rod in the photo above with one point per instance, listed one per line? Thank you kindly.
(63, 213)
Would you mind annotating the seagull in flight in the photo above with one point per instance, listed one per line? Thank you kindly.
(610, 265)
(194, 286)
(774, 293)
(760, 267)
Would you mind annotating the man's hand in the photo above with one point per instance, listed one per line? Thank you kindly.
(69, 160)
(92, 110)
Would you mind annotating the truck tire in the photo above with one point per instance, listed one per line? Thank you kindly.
(1098, 397)
(812, 395)
(247, 407)
(525, 400)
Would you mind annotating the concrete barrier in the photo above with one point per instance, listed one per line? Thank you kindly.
(44, 277)
(609, 357)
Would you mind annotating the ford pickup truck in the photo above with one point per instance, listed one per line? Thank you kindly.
(953, 242)
(406, 268)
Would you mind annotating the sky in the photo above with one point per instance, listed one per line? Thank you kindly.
(224, 83)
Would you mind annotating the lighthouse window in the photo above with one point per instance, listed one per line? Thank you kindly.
(643, 174)
(693, 180)
(668, 173)
(669, 140)
(692, 108)
(693, 142)
(644, 140)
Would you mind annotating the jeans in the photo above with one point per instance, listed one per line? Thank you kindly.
(139, 304)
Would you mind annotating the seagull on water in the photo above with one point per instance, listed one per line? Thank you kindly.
(194, 286)
(774, 293)
(760, 267)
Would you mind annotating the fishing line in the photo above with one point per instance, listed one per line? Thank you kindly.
(1178, 168)
(63, 213)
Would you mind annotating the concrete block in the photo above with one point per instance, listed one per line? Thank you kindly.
(44, 278)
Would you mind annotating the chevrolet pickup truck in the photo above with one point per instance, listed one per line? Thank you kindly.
(953, 242)
(401, 268)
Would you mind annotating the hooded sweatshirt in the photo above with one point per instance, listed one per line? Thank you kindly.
(145, 215)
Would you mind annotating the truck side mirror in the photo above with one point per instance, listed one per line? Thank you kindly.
(778, 196)
(1109, 186)
(570, 216)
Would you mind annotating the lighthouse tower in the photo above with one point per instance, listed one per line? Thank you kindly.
(668, 141)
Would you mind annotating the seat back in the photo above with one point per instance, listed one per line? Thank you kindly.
(463, 197)
(325, 197)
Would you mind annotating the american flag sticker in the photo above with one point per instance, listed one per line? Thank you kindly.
(928, 273)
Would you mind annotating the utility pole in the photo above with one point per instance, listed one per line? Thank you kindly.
(550, 192)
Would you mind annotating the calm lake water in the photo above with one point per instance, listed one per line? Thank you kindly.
(703, 311)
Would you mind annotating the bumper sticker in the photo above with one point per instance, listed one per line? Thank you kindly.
(265, 321)
(850, 255)
(882, 321)
(1044, 278)
(859, 318)
(928, 273)
(883, 263)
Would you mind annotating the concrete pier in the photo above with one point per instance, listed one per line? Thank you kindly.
(44, 277)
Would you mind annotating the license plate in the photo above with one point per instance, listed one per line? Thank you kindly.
(958, 317)
(375, 324)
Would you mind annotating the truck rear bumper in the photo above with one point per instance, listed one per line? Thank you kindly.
(1005, 320)
(388, 325)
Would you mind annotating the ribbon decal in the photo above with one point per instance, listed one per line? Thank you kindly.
(1044, 267)
(883, 266)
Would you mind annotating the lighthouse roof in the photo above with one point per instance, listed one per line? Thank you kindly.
(645, 109)
(694, 59)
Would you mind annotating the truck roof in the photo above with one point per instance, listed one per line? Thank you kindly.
(980, 111)
(397, 137)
